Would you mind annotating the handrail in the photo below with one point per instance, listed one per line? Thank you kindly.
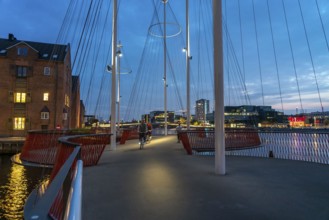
(73, 210)
(41, 209)
(61, 198)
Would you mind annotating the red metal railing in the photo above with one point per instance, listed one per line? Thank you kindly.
(92, 147)
(41, 146)
(87, 148)
(204, 141)
(129, 134)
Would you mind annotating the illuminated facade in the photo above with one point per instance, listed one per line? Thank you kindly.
(158, 116)
(297, 121)
(36, 87)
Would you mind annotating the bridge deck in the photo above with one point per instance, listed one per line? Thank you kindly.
(162, 182)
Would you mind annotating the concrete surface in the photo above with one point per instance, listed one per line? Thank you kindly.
(163, 182)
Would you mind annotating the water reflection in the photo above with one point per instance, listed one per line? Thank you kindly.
(16, 183)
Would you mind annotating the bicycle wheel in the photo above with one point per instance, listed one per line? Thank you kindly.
(141, 144)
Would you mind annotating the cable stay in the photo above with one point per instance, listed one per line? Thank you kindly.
(149, 80)
(292, 56)
(258, 54)
(322, 25)
(275, 55)
(311, 56)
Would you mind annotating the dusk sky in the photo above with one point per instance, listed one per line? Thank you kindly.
(269, 56)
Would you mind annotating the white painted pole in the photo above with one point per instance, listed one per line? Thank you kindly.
(118, 62)
(165, 66)
(113, 89)
(188, 104)
(219, 89)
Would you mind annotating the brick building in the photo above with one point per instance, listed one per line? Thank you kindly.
(36, 88)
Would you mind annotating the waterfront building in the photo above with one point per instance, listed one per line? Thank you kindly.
(36, 87)
(201, 110)
(158, 116)
(251, 115)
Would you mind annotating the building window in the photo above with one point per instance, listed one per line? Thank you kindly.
(44, 127)
(64, 114)
(22, 51)
(19, 123)
(46, 71)
(21, 71)
(67, 100)
(20, 97)
(46, 96)
(44, 115)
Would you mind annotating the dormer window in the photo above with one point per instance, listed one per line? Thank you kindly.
(55, 56)
(22, 51)
(3, 51)
(45, 55)
(45, 113)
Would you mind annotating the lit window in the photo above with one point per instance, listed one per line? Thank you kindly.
(46, 71)
(20, 97)
(44, 115)
(21, 71)
(46, 96)
(22, 51)
(67, 100)
(19, 123)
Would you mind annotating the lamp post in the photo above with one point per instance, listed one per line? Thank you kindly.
(118, 55)
(109, 68)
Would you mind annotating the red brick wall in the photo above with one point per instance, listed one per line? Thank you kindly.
(57, 84)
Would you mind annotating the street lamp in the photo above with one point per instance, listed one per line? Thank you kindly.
(118, 55)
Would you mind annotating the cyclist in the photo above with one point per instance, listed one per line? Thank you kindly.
(142, 129)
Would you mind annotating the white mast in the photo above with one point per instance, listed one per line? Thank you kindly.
(188, 104)
(219, 89)
(113, 89)
(165, 66)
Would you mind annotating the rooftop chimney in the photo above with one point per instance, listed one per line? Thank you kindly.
(11, 37)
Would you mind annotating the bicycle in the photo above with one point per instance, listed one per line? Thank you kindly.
(141, 140)
(148, 137)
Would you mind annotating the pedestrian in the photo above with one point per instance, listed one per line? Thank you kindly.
(178, 129)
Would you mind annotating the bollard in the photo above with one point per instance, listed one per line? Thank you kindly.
(271, 155)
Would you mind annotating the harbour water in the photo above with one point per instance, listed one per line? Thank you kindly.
(16, 183)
